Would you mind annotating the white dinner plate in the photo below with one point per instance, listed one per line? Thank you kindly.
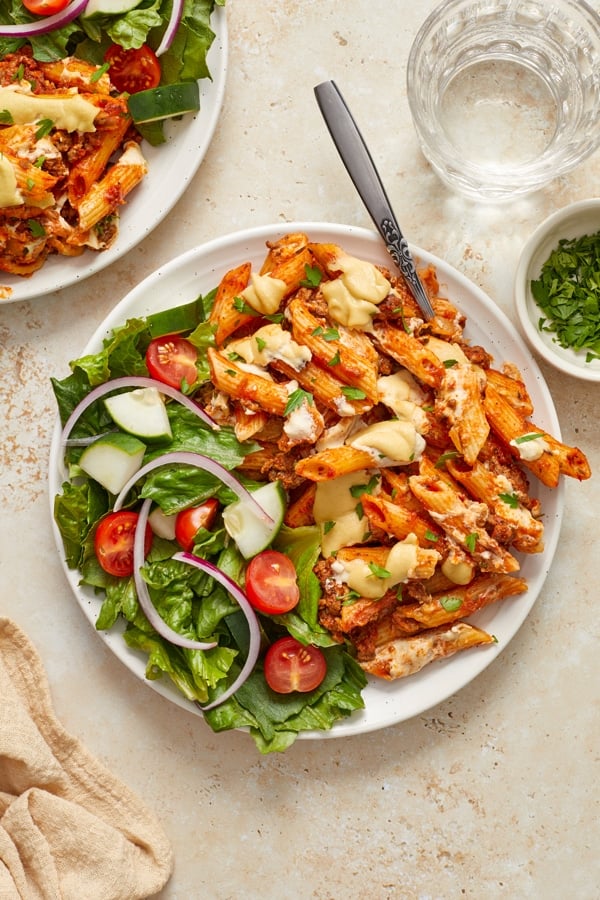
(171, 167)
(198, 271)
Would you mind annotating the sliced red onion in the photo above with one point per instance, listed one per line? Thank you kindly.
(143, 593)
(131, 381)
(47, 23)
(238, 595)
(172, 26)
(187, 458)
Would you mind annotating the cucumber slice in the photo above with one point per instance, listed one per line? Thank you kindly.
(174, 321)
(164, 102)
(250, 532)
(109, 7)
(161, 524)
(112, 460)
(141, 412)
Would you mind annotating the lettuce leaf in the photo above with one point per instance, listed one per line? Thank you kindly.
(275, 720)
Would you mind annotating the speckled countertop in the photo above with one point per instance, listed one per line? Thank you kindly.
(493, 793)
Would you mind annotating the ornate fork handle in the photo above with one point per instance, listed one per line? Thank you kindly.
(397, 246)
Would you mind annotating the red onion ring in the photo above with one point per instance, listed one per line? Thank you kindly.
(187, 458)
(48, 23)
(238, 595)
(143, 593)
(130, 381)
(172, 26)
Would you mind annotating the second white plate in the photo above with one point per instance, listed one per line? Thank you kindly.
(171, 166)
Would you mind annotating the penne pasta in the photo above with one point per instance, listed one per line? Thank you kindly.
(63, 126)
(88, 170)
(345, 363)
(519, 527)
(245, 386)
(463, 520)
(411, 353)
(463, 600)
(226, 312)
(105, 196)
(406, 656)
(460, 405)
(398, 442)
(552, 459)
(333, 462)
(511, 386)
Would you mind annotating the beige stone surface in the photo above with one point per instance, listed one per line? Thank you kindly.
(494, 792)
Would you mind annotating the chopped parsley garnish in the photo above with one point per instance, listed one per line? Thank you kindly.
(441, 461)
(40, 162)
(510, 499)
(532, 436)
(231, 372)
(314, 277)
(350, 597)
(327, 526)
(568, 293)
(449, 363)
(451, 604)
(261, 344)
(19, 73)
(240, 304)
(45, 126)
(353, 393)
(97, 75)
(471, 541)
(399, 311)
(6, 117)
(379, 571)
(328, 334)
(297, 398)
(357, 490)
(335, 360)
(431, 535)
(36, 228)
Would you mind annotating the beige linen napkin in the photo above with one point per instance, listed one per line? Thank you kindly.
(68, 828)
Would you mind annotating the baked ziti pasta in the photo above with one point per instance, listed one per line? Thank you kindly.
(69, 156)
(399, 439)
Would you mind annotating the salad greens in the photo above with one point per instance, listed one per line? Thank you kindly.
(189, 601)
(568, 293)
(88, 38)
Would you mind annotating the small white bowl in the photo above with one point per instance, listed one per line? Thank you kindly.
(573, 221)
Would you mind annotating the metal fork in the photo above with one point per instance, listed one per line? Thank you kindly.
(361, 168)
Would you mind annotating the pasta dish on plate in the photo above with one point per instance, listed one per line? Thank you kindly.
(395, 455)
(69, 156)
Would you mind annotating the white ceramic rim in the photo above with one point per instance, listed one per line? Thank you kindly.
(567, 222)
(198, 270)
(171, 167)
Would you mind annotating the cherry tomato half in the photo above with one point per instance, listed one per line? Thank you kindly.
(292, 666)
(113, 542)
(271, 585)
(190, 520)
(172, 360)
(45, 7)
(133, 70)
